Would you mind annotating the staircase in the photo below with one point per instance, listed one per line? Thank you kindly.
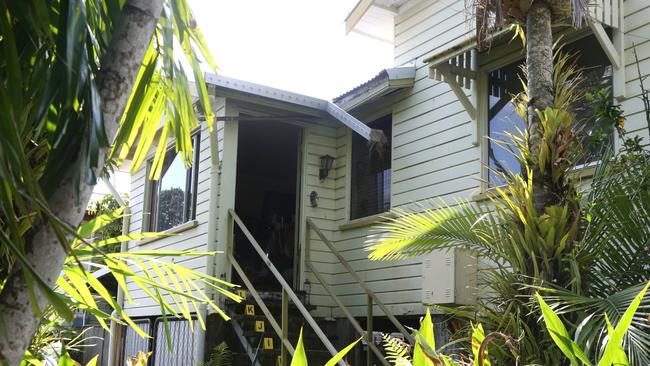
(258, 337)
(264, 341)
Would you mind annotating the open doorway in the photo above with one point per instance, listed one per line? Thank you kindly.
(266, 199)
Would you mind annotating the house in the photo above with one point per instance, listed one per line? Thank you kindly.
(291, 180)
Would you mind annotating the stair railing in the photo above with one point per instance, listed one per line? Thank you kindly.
(282, 331)
(372, 297)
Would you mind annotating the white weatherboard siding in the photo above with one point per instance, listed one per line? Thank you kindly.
(433, 154)
(191, 239)
(320, 140)
(429, 26)
(637, 32)
(433, 157)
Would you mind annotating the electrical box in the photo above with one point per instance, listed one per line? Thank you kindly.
(449, 277)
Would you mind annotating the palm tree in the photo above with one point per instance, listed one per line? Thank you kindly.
(538, 18)
(83, 82)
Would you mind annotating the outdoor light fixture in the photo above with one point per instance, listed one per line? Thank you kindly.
(313, 199)
(326, 162)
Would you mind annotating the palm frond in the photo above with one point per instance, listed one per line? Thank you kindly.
(591, 332)
(412, 233)
(397, 351)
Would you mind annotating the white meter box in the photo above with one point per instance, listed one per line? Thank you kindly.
(449, 277)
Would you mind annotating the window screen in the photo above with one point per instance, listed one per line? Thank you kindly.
(173, 196)
(503, 83)
(371, 173)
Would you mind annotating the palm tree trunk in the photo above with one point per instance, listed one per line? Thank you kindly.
(45, 253)
(539, 61)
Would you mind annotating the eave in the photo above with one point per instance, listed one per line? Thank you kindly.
(387, 81)
(284, 100)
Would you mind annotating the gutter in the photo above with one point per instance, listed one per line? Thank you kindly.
(124, 247)
(231, 88)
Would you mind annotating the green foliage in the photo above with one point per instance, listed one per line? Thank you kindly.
(424, 352)
(608, 117)
(397, 351)
(425, 336)
(178, 291)
(300, 357)
(220, 356)
(51, 60)
(584, 248)
(54, 338)
(613, 353)
(560, 335)
(105, 205)
(478, 338)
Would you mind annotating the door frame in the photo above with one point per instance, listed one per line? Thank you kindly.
(298, 246)
(301, 171)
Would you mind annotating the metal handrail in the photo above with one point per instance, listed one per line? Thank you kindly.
(281, 331)
(371, 295)
(347, 313)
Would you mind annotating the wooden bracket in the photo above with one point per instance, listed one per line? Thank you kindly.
(461, 72)
(615, 51)
(605, 43)
(450, 79)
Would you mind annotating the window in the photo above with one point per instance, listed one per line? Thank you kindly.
(173, 196)
(371, 173)
(503, 83)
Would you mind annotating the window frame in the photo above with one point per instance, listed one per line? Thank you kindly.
(501, 57)
(362, 220)
(152, 190)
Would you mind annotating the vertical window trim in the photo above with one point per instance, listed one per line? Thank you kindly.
(349, 150)
(152, 188)
(483, 73)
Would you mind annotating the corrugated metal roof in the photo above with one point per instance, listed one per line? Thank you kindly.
(234, 88)
(385, 81)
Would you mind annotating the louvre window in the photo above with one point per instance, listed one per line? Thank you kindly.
(173, 196)
(371, 173)
(505, 82)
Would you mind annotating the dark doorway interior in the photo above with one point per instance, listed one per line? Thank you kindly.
(265, 199)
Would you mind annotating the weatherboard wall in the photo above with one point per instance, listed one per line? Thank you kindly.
(433, 157)
(433, 151)
(194, 238)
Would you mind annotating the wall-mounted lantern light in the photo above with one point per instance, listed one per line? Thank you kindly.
(326, 162)
(313, 199)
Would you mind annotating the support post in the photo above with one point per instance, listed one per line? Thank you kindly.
(369, 331)
(619, 44)
(227, 178)
(284, 354)
(474, 97)
(116, 330)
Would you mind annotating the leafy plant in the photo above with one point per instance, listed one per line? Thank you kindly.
(140, 359)
(613, 353)
(105, 205)
(425, 353)
(300, 357)
(165, 282)
(220, 356)
(585, 247)
(82, 80)
(178, 291)
(397, 351)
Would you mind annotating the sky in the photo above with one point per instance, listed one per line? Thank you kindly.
(296, 45)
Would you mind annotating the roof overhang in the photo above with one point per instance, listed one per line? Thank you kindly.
(284, 100)
(374, 18)
(386, 82)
